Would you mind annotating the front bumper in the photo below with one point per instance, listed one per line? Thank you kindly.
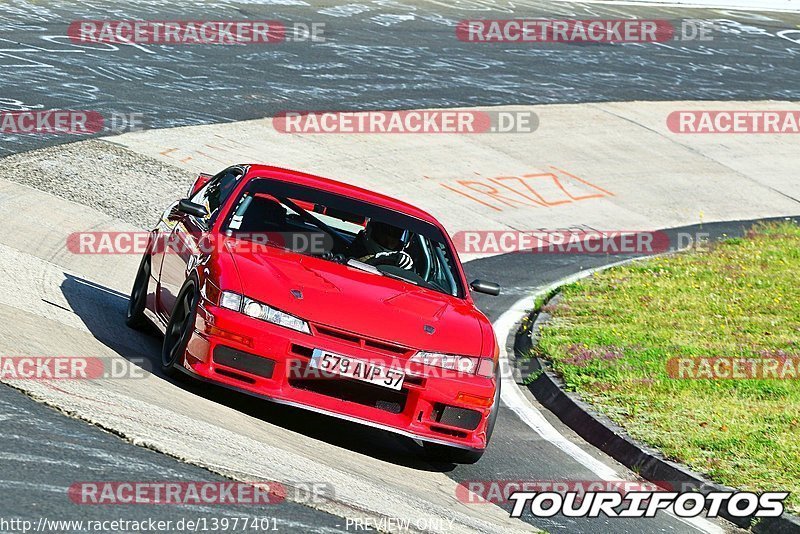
(271, 362)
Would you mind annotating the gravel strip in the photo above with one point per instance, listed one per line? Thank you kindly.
(102, 175)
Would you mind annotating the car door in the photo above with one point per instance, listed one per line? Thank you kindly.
(184, 251)
(160, 240)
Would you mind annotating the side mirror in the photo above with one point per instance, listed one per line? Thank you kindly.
(190, 208)
(198, 184)
(481, 286)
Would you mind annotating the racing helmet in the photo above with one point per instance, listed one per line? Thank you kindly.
(383, 237)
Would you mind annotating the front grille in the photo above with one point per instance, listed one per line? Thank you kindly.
(350, 338)
(362, 342)
(349, 390)
(414, 381)
(235, 376)
(457, 417)
(302, 351)
(242, 361)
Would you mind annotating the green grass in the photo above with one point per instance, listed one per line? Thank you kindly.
(612, 335)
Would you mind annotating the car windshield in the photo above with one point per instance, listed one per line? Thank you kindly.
(336, 228)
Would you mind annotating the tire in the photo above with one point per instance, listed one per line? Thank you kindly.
(454, 455)
(135, 317)
(495, 408)
(179, 329)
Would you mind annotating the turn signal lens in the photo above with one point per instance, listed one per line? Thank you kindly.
(231, 301)
(474, 400)
(486, 368)
(219, 332)
(453, 362)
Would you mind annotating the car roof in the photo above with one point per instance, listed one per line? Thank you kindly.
(340, 188)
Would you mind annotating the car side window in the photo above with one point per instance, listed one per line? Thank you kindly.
(216, 192)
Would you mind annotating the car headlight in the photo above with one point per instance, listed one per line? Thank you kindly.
(463, 364)
(259, 310)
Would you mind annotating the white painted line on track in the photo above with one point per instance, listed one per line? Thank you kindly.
(514, 399)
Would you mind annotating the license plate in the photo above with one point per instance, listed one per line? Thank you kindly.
(358, 369)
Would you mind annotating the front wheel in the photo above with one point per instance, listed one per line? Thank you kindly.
(179, 330)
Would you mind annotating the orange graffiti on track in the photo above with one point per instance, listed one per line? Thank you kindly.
(528, 190)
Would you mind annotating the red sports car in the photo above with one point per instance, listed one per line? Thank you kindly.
(322, 295)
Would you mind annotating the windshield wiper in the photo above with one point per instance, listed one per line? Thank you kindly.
(374, 270)
(352, 262)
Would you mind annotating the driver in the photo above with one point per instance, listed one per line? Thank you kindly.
(380, 244)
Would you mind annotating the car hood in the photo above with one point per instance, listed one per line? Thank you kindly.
(360, 302)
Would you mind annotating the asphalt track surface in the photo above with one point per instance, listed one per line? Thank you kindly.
(376, 55)
(44, 452)
(384, 57)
